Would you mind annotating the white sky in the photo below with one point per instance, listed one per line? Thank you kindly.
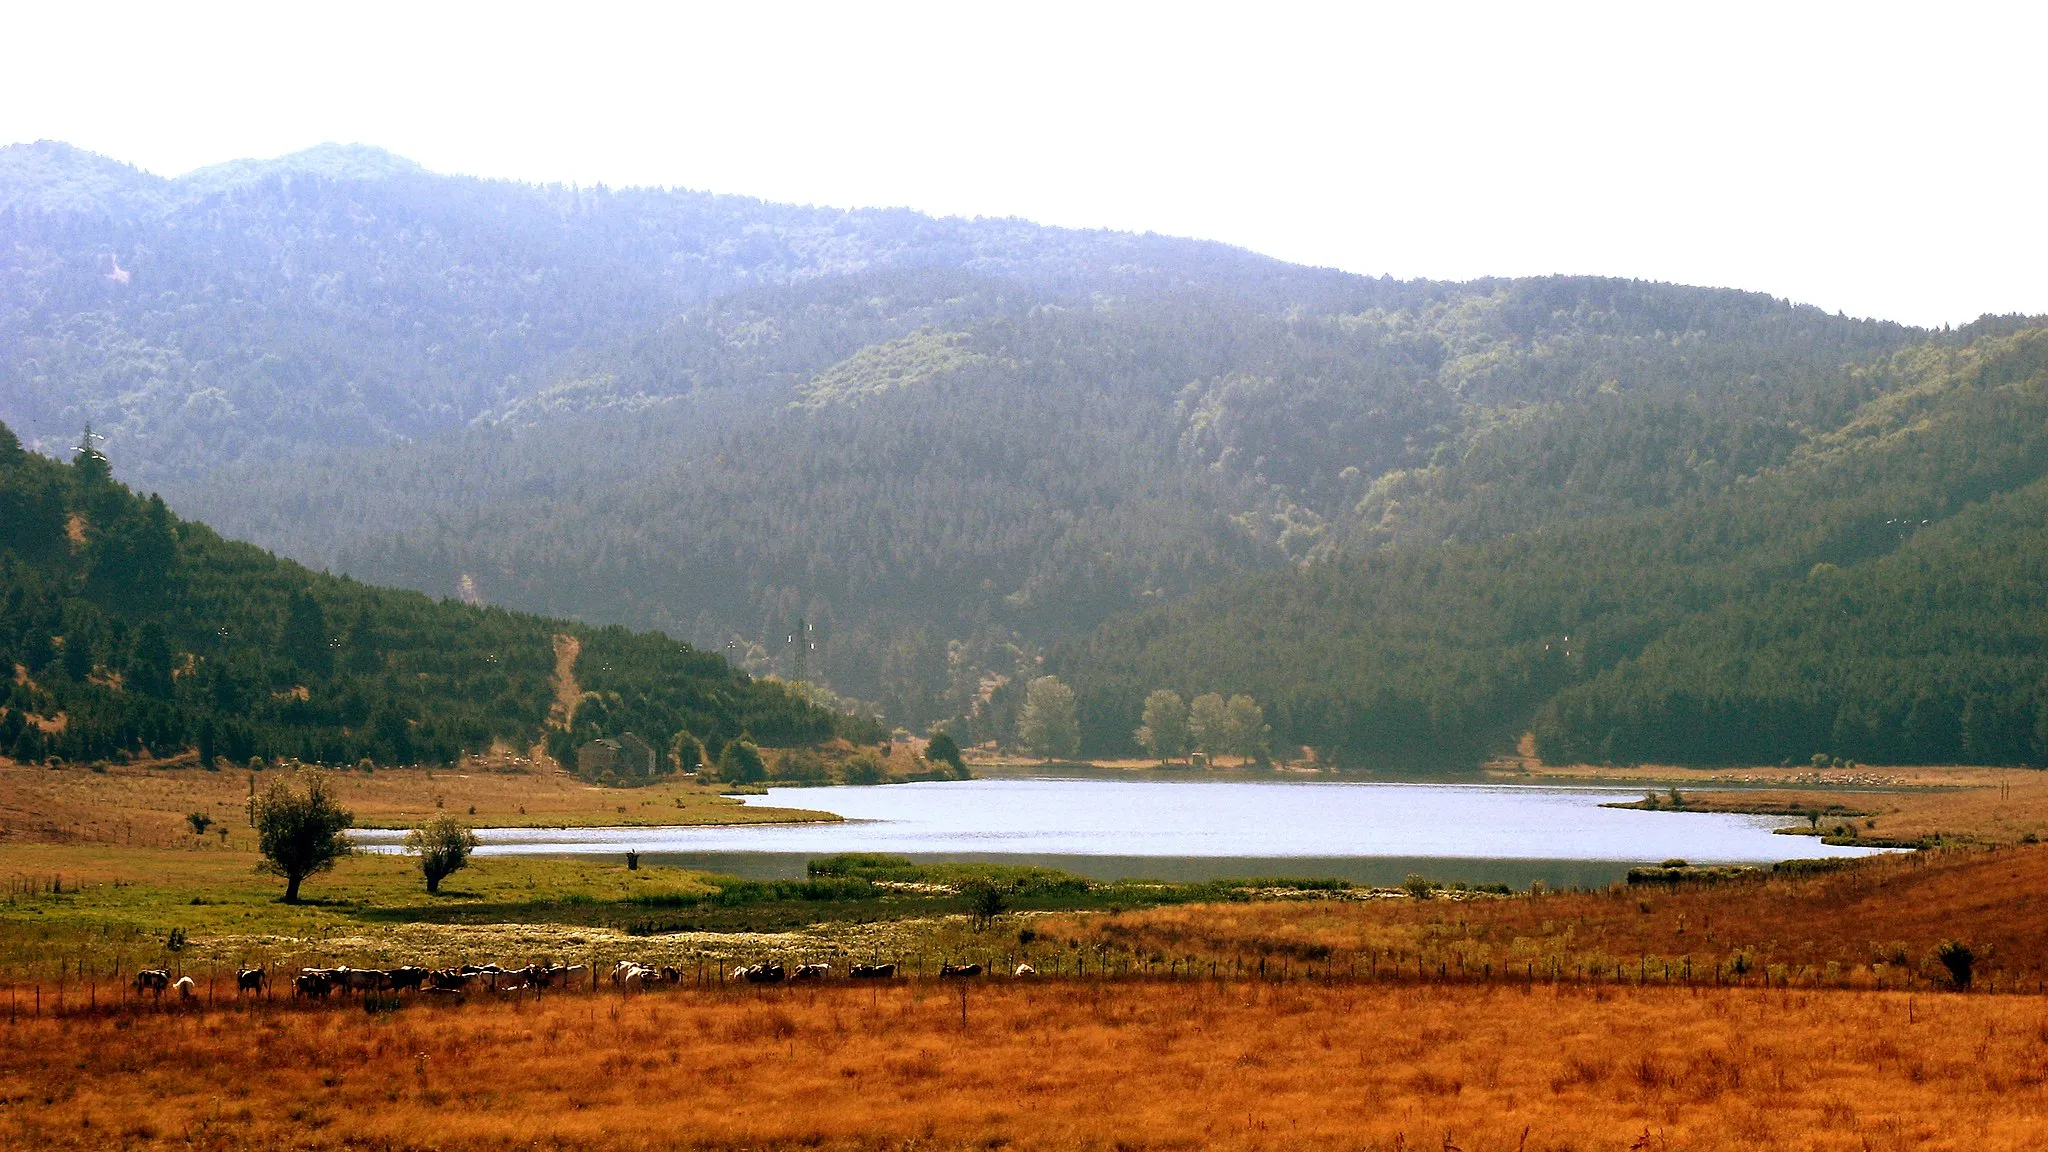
(1885, 162)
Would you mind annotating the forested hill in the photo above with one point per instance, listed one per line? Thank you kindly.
(1878, 595)
(126, 631)
(933, 446)
(940, 473)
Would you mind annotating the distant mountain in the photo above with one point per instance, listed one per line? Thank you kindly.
(334, 163)
(344, 296)
(126, 631)
(933, 447)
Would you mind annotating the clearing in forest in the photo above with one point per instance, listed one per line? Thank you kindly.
(567, 649)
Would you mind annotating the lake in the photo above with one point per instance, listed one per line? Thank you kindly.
(1206, 829)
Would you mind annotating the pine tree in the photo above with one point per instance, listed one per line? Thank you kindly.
(305, 640)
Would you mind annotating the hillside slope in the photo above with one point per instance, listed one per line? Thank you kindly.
(941, 474)
(126, 631)
(1876, 596)
(934, 447)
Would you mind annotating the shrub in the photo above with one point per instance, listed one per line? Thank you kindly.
(740, 763)
(864, 769)
(199, 821)
(943, 749)
(804, 766)
(986, 900)
(1960, 962)
(865, 865)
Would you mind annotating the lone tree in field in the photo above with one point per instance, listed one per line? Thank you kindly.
(1163, 729)
(300, 832)
(443, 845)
(1049, 724)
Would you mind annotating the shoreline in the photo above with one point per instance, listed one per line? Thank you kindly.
(778, 817)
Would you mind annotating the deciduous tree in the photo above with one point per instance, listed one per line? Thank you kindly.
(1245, 731)
(443, 845)
(741, 763)
(1049, 724)
(300, 831)
(1209, 723)
(1163, 730)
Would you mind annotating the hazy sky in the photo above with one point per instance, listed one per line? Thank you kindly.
(1885, 162)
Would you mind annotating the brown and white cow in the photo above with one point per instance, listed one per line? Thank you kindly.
(450, 979)
(764, 973)
(251, 980)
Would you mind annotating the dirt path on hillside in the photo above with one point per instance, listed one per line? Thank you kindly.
(567, 649)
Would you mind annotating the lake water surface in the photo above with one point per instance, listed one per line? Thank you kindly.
(1183, 830)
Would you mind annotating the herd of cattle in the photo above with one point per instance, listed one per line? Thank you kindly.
(627, 975)
(318, 982)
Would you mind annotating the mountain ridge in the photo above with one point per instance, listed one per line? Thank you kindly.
(943, 448)
(406, 305)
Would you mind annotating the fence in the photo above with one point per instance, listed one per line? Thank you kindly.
(72, 986)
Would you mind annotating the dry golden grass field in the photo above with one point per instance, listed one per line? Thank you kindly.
(1873, 924)
(134, 805)
(1056, 1065)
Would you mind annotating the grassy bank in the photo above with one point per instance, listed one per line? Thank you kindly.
(103, 906)
(1876, 805)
